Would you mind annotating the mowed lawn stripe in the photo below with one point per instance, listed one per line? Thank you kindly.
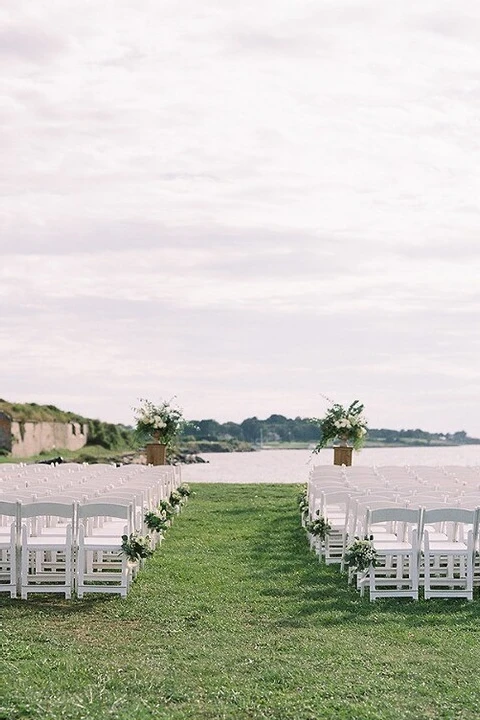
(235, 618)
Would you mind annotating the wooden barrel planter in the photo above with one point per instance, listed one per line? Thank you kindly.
(156, 454)
(342, 455)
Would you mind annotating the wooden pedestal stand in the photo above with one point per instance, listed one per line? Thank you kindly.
(156, 454)
(342, 455)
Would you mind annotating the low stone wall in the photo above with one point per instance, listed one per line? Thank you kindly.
(33, 438)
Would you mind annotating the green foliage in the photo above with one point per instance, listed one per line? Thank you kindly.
(279, 430)
(32, 412)
(276, 428)
(214, 446)
(109, 436)
(415, 437)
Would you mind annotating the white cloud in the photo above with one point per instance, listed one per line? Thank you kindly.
(243, 205)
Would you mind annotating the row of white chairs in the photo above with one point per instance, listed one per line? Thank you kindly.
(423, 536)
(143, 485)
(80, 481)
(451, 477)
(68, 539)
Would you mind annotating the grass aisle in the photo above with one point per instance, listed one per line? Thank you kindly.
(234, 618)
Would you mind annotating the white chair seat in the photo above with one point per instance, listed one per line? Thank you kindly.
(392, 547)
(104, 542)
(48, 542)
(447, 547)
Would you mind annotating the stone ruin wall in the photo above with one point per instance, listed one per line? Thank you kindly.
(32, 438)
(5, 432)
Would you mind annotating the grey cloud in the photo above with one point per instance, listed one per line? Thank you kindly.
(30, 44)
(463, 26)
(304, 35)
(227, 349)
(254, 41)
(293, 261)
(101, 236)
(458, 249)
(127, 59)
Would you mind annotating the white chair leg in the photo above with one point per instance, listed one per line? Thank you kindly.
(24, 566)
(13, 562)
(470, 576)
(68, 564)
(414, 573)
(81, 562)
(426, 572)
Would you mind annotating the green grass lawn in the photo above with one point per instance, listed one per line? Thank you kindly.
(89, 453)
(234, 618)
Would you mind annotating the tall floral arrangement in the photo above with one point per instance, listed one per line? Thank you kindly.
(345, 424)
(160, 422)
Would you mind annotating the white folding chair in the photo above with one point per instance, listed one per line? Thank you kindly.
(336, 508)
(102, 566)
(355, 521)
(9, 541)
(396, 572)
(47, 548)
(448, 556)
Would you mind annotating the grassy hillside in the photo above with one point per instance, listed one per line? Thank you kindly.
(101, 434)
(31, 412)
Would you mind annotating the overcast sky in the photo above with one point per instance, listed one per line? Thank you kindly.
(243, 205)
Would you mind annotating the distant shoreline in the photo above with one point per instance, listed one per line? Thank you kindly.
(419, 444)
(368, 445)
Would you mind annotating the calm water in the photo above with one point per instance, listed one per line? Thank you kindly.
(293, 466)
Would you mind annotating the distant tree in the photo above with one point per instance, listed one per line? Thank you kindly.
(203, 429)
(251, 429)
(233, 430)
(275, 420)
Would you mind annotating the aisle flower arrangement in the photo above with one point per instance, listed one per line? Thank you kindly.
(161, 422)
(156, 520)
(302, 500)
(184, 490)
(166, 508)
(361, 554)
(176, 499)
(344, 424)
(319, 528)
(136, 546)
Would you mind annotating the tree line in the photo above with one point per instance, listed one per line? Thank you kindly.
(278, 428)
